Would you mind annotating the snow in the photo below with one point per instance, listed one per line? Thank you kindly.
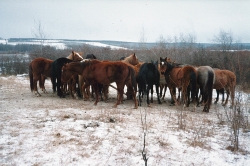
(59, 44)
(49, 130)
(98, 44)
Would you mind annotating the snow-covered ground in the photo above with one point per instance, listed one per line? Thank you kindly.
(49, 130)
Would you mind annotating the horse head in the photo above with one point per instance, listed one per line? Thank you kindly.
(165, 66)
(132, 59)
(75, 56)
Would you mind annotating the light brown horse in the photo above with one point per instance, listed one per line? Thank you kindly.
(131, 59)
(227, 80)
(182, 78)
(133, 62)
(41, 68)
(95, 71)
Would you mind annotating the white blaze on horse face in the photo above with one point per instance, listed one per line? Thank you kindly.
(162, 63)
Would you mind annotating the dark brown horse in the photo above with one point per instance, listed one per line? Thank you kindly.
(184, 78)
(95, 71)
(227, 80)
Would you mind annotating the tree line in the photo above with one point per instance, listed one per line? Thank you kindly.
(223, 55)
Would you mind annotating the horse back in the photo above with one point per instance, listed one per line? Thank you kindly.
(41, 66)
(107, 72)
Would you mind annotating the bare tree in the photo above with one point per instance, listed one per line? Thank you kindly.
(39, 33)
(225, 55)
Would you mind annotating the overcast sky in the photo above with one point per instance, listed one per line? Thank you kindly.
(126, 20)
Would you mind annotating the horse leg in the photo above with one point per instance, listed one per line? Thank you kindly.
(73, 85)
(133, 91)
(228, 92)
(147, 93)
(84, 87)
(120, 94)
(165, 89)
(41, 83)
(172, 92)
(96, 89)
(184, 96)
(36, 78)
(217, 98)
(157, 92)
(223, 99)
(161, 89)
(151, 87)
(105, 91)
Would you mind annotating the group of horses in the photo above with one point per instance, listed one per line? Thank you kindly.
(191, 80)
(128, 71)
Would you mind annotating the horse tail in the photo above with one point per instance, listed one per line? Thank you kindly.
(31, 78)
(209, 85)
(133, 78)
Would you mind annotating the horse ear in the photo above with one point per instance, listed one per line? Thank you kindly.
(161, 59)
(73, 52)
(134, 54)
(81, 53)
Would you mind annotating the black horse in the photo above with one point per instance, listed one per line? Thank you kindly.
(90, 56)
(148, 76)
(56, 74)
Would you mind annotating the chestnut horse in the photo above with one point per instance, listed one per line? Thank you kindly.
(95, 71)
(183, 78)
(227, 80)
(41, 68)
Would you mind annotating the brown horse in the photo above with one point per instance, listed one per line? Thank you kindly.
(41, 68)
(163, 84)
(184, 78)
(95, 71)
(227, 80)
